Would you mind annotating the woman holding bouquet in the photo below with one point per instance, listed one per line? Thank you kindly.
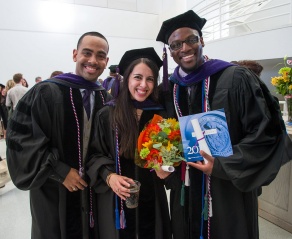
(112, 165)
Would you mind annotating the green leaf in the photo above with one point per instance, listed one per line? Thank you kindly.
(162, 134)
(157, 146)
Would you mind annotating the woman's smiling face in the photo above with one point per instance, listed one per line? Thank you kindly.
(141, 82)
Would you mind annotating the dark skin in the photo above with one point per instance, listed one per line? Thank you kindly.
(189, 58)
(74, 181)
(205, 166)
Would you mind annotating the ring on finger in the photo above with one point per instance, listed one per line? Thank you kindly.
(74, 189)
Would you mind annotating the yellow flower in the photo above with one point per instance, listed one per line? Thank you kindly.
(283, 82)
(274, 81)
(148, 144)
(169, 146)
(171, 121)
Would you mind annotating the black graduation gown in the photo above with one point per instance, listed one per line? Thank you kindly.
(258, 147)
(42, 146)
(153, 213)
(3, 112)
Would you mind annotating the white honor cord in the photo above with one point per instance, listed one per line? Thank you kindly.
(210, 208)
(187, 177)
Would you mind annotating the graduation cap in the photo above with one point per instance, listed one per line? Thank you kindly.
(2, 86)
(188, 19)
(134, 54)
(113, 68)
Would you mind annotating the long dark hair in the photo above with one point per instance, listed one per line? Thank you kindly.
(123, 113)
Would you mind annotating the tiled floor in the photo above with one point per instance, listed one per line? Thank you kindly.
(15, 217)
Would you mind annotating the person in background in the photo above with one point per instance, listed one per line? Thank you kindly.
(108, 83)
(24, 83)
(100, 81)
(55, 73)
(15, 93)
(47, 141)
(218, 199)
(38, 79)
(3, 110)
(254, 66)
(9, 85)
(112, 167)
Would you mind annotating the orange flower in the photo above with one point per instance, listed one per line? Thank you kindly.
(152, 129)
(154, 156)
(175, 135)
(156, 119)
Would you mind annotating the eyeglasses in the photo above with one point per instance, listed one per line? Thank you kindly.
(176, 45)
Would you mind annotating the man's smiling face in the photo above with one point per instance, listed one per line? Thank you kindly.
(190, 56)
(91, 57)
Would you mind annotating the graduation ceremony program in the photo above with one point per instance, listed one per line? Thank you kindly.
(206, 131)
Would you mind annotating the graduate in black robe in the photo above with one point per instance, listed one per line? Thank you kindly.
(109, 82)
(47, 141)
(112, 165)
(3, 109)
(259, 140)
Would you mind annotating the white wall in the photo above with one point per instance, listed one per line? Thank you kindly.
(37, 37)
(268, 44)
(269, 35)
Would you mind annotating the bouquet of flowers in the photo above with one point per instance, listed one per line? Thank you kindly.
(283, 82)
(159, 144)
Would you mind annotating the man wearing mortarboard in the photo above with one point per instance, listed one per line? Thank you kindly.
(218, 199)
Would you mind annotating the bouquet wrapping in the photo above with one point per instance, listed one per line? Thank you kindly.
(159, 144)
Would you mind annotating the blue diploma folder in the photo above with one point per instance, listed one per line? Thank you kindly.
(212, 127)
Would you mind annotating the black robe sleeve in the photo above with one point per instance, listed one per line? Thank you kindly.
(101, 161)
(31, 156)
(257, 138)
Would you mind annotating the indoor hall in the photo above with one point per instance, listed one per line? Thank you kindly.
(38, 37)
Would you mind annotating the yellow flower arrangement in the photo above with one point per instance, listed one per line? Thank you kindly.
(283, 82)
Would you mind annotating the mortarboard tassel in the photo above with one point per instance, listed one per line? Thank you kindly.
(165, 69)
(122, 219)
(118, 226)
(182, 195)
(91, 220)
(205, 209)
